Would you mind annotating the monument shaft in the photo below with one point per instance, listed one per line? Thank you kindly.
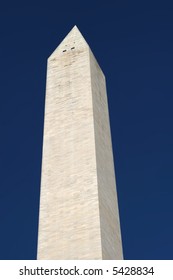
(78, 216)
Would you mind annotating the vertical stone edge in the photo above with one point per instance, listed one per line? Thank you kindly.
(109, 217)
(42, 156)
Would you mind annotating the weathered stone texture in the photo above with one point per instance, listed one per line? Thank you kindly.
(108, 204)
(78, 205)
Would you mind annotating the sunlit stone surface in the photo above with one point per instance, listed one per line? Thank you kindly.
(78, 216)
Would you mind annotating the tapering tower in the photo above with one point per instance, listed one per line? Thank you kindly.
(78, 216)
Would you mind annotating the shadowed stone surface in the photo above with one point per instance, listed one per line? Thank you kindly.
(78, 216)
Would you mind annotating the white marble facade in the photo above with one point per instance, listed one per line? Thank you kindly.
(78, 216)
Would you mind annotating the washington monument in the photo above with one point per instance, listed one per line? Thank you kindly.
(78, 217)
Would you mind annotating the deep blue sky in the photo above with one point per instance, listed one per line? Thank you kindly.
(133, 43)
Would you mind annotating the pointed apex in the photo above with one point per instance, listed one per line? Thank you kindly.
(75, 29)
(73, 39)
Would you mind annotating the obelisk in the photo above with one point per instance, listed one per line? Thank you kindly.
(79, 217)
